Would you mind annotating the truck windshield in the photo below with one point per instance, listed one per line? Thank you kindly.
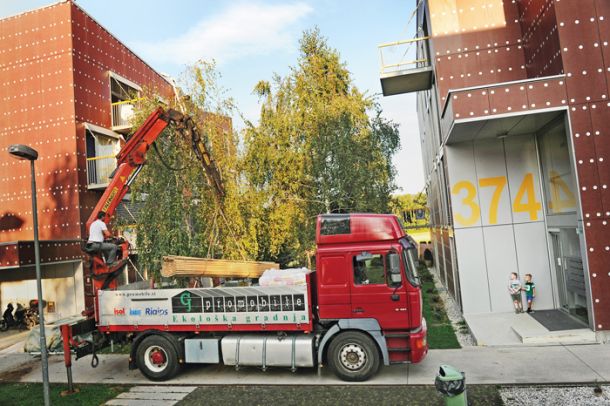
(409, 254)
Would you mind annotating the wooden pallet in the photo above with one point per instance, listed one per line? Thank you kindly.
(213, 268)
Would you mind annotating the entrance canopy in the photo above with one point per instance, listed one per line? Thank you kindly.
(478, 128)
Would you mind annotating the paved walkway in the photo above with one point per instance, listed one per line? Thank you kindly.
(483, 365)
(152, 396)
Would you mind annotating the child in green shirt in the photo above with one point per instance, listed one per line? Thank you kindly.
(530, 291)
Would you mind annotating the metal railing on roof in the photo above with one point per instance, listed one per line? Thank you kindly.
(401, 64)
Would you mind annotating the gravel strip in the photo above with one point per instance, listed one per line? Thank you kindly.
(542, 396)
(453, 312)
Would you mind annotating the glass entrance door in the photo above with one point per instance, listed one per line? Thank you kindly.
(570, 273)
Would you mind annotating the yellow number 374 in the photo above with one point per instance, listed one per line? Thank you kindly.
(525, 200)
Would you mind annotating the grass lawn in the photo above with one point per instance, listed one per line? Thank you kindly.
(440, 331)
(119, 348)
(322, 395)
(26, 394)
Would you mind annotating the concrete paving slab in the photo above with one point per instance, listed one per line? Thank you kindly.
(494, 329)
(152, 395)
(164, 388)
(597, 357)
(10, 338)
(12, 364)
(510, 365)
(139, 402)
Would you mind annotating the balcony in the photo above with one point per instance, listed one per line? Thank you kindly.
(399, 76)
(122, 114)
(99, 169)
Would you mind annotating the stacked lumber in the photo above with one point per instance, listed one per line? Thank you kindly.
(214, 268)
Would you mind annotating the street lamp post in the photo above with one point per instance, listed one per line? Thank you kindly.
(26, 153)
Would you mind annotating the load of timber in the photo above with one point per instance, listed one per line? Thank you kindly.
(213, 268)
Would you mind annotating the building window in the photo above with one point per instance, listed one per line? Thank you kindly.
(557, 174)
(124, 94)
(102, 148)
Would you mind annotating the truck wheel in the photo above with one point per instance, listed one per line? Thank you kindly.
(157, 359)
(353, 356)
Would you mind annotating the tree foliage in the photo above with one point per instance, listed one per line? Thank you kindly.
(321, 146)
(405, 205)
(180, 214)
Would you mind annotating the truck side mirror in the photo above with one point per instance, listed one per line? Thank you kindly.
(394, 268)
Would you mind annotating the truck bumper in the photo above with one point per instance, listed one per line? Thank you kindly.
(418, 343)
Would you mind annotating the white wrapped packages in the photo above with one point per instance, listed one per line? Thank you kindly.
(284, 277)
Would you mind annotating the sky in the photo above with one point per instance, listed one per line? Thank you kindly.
(253, 40)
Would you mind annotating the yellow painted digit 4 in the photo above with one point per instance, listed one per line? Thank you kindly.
(531, 205)
(499, 182)
(469, 201)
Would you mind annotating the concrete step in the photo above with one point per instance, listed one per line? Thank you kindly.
(530, 331)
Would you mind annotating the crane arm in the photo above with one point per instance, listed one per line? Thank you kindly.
(132, 157)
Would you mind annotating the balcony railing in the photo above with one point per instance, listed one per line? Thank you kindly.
(401, 75)
(400, 47)
(99, 169)
(122, 113)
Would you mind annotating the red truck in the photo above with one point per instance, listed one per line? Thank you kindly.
(360, 308)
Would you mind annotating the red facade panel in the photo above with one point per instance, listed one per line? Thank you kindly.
(37, 109)
(581, 51)
(469, 104)
(476, 44)
(507, 99)
(598, 252)
(540, 38)
(54, 76)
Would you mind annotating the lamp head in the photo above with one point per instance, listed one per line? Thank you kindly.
(21, 151)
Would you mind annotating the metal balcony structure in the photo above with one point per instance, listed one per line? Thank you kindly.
(99, 169)
(122, 113)
(405, 76)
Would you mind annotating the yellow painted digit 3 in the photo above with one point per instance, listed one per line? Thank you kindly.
(469, 201)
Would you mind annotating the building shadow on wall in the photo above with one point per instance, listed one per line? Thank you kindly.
(59, 213)
(10, 222)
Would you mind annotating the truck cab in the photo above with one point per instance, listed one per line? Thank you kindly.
(366, 277)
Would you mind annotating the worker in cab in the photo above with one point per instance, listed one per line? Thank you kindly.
(98, 231)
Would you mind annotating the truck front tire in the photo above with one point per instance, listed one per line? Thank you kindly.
(353, 356)
(156, 358)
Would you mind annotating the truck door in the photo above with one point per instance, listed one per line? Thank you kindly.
(378, 290)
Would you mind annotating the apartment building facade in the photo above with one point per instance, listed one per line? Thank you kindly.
(514, 112)
(67, 90)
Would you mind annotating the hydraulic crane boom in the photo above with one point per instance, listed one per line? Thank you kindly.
(130, 161)
(132, 157)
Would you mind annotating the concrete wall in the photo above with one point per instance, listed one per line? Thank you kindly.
(62, 284)
(498, 221)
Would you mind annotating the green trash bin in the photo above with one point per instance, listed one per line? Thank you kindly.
(452, 384)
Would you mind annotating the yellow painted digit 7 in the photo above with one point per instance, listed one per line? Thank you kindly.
(499, 182)
(468, 200)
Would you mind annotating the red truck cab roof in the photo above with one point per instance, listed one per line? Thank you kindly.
(357, 227)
